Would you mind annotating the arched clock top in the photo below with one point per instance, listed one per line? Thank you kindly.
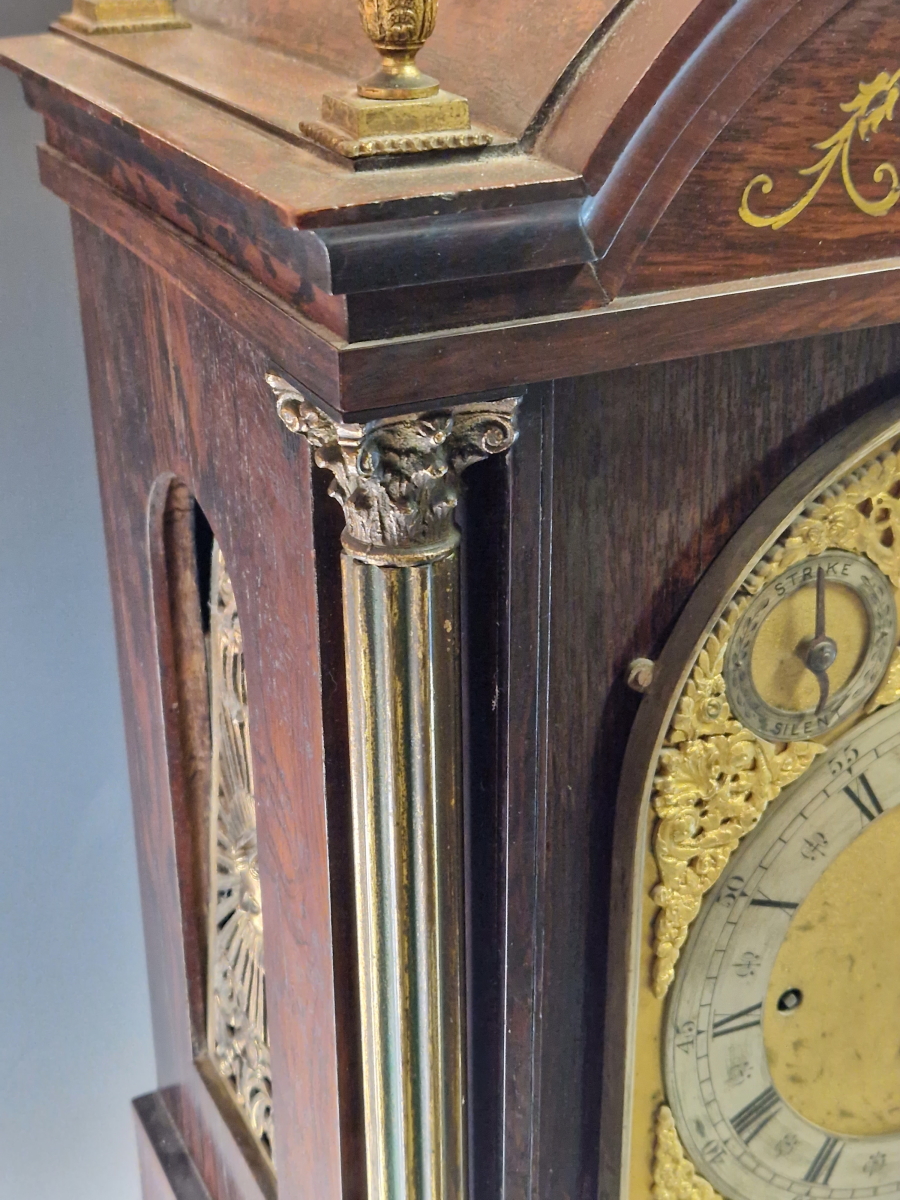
(804, 174)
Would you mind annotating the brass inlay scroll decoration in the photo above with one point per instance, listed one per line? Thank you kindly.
(716, 778)
(122, 16)
(238, 1030)
(875, 103)
(674, 1175)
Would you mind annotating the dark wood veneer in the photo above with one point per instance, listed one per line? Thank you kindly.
(623, 488)
(702, 240)
(211, 249)
(175, 361)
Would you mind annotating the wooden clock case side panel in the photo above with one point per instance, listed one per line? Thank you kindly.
(500, 92)
(177, 394)
(624, 487)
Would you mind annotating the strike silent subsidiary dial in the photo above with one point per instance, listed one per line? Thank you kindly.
(811, 647)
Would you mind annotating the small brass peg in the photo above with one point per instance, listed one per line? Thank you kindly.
(639, 675)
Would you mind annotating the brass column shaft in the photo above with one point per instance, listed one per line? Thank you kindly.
(398, 482)
(402, 666)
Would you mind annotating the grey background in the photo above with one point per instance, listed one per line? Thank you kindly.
(75, 1041)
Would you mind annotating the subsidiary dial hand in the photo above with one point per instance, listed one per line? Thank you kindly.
(822, 650)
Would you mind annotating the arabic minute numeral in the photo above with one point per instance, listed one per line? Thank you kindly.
(786, 1145)
(733, 889)
(875, 1164)
(713, 1152)
(844, 762)
(684, 1036)
(748, 964)
(815, 847)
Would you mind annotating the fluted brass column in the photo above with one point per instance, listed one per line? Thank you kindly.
(398, 482)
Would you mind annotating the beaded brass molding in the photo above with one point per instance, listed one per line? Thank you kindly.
(398, 143)
(715, 778)
(238, 1035)
(122, 16)
(875, 103)
(674, 1175)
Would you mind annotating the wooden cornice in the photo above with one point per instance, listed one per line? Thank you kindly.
(425, 370)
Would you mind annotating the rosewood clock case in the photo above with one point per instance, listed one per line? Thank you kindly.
(546, 379)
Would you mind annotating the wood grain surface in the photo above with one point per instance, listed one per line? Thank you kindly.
(733, 57)
(702, 239)
(547, 37)
(388, 254)
(425, 370)
(176, 394)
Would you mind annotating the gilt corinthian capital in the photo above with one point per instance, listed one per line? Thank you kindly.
(397, 479)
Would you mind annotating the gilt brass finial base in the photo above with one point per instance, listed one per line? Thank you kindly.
(398, 110)
(122, 16)
(356, 127)
(398, 79)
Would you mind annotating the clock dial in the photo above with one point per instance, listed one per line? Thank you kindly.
(811, 647)
(772, 1072)
(754, 982)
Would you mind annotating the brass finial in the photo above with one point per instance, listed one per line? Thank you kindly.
(398, 110)
(122, 16)
(399, 29)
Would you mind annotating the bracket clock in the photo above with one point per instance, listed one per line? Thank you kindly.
(460, 374)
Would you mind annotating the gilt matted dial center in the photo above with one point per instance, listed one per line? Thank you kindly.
(835, 1055)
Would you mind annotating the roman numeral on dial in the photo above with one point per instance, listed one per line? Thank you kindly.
(755, 1117)
(823, 1164)
(735, 1022)
(787, 906)
(869, 813)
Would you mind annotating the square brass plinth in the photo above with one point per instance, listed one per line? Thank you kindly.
(122, 16)
(354, 127)
(387, 118)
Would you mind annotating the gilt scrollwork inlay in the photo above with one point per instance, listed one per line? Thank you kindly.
(238, 1029)
(874, 103)
(716, 778)
(674, 1175)
(397, 479)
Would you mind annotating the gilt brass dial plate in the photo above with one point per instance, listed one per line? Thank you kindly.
(752, 961)
(762, 681)
(725, 1026)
